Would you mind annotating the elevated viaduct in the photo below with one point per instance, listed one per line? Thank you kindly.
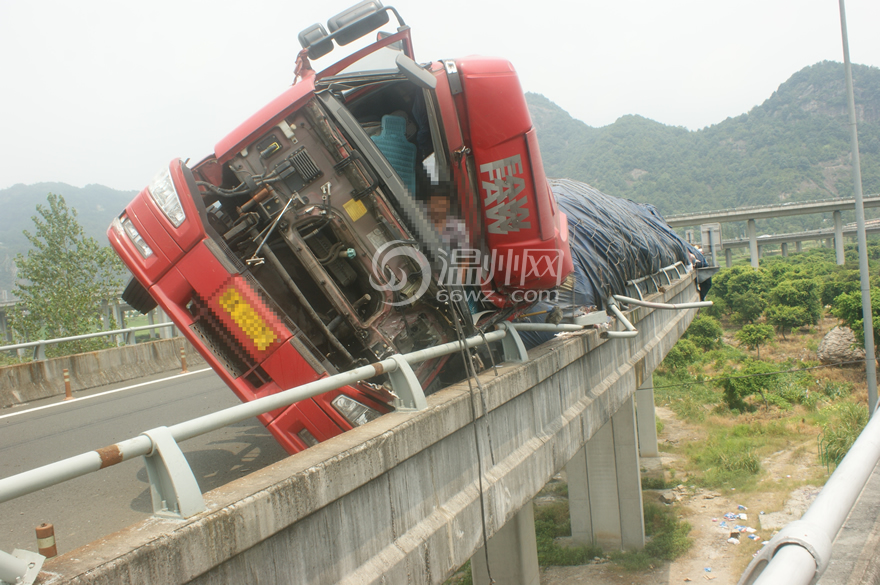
(750, 214)
(410, 497)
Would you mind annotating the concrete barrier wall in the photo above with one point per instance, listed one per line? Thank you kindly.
(398, 500)
(35, 380)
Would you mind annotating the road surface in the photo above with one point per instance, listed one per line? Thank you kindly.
(95, 505)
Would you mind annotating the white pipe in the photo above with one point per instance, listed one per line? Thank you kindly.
(632, 301)
(549, 327)
(620, 316)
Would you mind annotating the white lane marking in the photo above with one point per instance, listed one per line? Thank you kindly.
(103, 393)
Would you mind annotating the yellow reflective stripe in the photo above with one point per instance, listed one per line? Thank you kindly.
(46, 542)
(247, 318)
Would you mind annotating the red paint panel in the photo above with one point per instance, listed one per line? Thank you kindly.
(523, 230)
(288, 368)
(275, 111)
(496, 105)
(299, 416)
(205, 272)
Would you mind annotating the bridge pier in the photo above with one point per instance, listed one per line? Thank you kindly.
(604, 486)
(753, 243)
(838, 238)
(728, 257)
(646, 419)
(798, 247)
(784, 246)
(513, 553)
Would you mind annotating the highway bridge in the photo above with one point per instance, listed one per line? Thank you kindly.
(750, 214)
(406, 498)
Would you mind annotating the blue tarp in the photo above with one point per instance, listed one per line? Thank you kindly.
(612, 241)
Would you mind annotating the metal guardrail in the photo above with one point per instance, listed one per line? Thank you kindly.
(40, 346)
(801, 551)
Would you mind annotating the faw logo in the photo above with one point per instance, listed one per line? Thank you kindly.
(502, 187)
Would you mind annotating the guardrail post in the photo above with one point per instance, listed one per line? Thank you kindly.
(410, 395)
(512, 345)
(21, 567)
(183, 360)
(40, 351)
(173, 487)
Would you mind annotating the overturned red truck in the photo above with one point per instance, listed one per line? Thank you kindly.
(307, 243)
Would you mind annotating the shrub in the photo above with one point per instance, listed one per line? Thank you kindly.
(834, 390)
(682, 354)
(705, 332)
(752, 379)
(839, 434)
(754, 336)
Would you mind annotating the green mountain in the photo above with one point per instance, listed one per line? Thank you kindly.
(793, 147)
(96, 207)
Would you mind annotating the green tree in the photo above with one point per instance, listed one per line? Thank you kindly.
(754, 336)
(63, 279)
(848, 308)
(705, 332)
(743, 290)
(784, 317)
(803, 293)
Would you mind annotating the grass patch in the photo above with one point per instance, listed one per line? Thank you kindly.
(655, 483)
(729, 457)
(667, 540)
(685, 393)
(847, 420)
(553, 521)
(463, 576)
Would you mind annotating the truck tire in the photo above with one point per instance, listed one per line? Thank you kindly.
(137, 297)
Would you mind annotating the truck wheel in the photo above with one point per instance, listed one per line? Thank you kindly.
(137, 297)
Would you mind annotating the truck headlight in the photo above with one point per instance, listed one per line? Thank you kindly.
(124, 225)
(353, 411)
(163, 192)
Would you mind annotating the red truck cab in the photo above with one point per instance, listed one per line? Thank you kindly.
(304, 245)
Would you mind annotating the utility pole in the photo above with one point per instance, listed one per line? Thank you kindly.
(867, 313)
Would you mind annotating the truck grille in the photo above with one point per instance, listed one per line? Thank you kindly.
(223, 345)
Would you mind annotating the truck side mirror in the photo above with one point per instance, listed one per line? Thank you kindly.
(315, 40)
(355, 22)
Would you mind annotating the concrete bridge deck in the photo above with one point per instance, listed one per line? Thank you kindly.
(399, 499)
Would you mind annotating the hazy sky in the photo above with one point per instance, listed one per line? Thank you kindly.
(110, 91)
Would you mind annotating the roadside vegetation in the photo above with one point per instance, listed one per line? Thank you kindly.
(746, 379)
(747, 373)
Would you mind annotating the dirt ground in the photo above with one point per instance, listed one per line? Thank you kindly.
(712, 558)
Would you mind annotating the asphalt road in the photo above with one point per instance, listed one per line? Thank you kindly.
(98, 504)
